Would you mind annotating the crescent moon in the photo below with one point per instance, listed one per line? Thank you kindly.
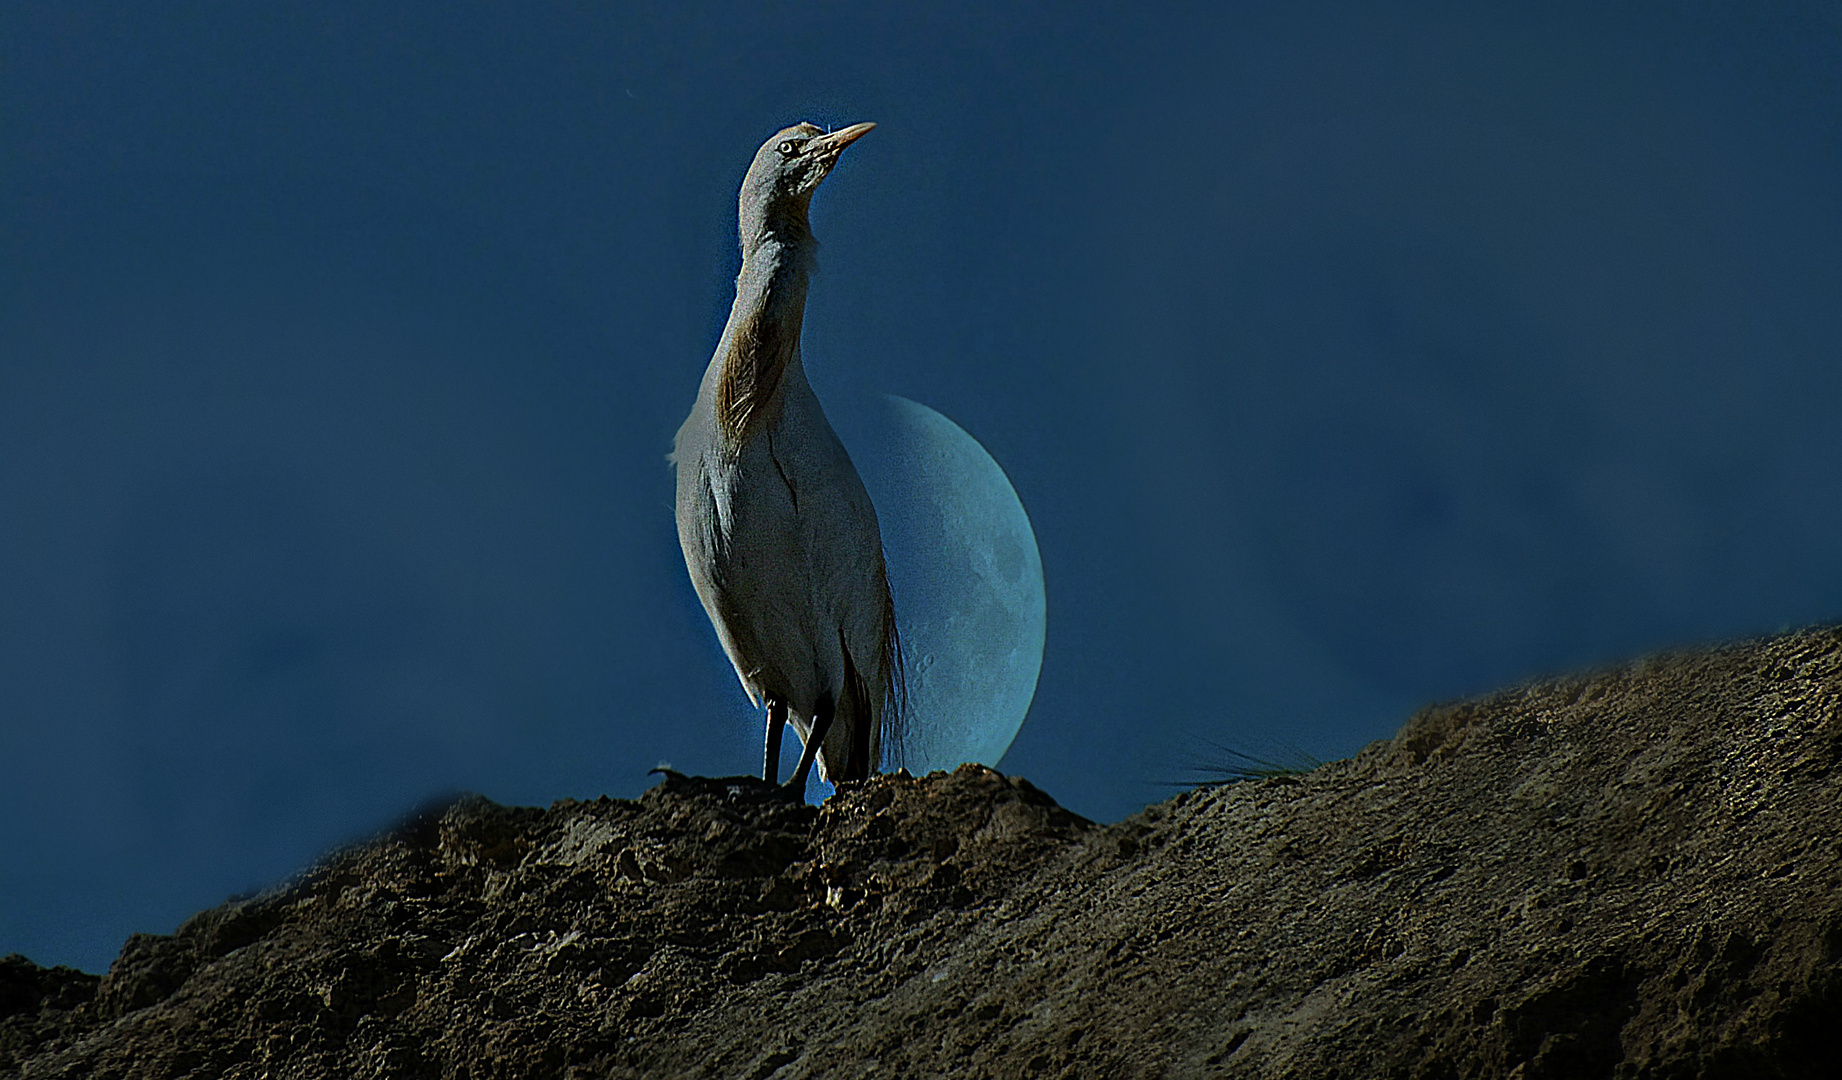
(968, 583)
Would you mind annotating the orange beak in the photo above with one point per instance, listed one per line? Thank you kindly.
(834, 143)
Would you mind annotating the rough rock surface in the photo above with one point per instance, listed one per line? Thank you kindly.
(1636, 873)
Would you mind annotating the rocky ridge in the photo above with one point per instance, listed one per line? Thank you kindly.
(1633, 873)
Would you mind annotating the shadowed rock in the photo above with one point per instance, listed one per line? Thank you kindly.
(1631, 873)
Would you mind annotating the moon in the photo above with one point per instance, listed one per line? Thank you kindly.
(968, 584)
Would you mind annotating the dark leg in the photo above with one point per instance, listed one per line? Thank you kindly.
(821, 723)
(856, 704)
(776, 723)
(861, 767)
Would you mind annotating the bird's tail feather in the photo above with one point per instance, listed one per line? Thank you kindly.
(849, 750)
(895, 690)
(867, 738)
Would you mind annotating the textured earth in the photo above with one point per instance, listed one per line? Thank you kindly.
(1634, 873)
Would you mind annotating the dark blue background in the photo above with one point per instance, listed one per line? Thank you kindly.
(1346, 357)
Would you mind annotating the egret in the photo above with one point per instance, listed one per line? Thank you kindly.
(778, 533)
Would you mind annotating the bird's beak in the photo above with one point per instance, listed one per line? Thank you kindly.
(831, 145)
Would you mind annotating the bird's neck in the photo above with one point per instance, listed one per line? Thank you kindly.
(762, 338)
(773, 223)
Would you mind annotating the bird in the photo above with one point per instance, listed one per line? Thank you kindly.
(779, 535)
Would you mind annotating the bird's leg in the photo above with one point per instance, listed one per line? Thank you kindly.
(821, 723)
(776, 724)
(861, 767)
(857, 765)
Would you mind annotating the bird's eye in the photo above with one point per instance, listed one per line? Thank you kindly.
(789, 148)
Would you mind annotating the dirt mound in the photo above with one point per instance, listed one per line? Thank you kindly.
(1634, 874)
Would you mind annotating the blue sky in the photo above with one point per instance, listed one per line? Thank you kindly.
(1347, 358)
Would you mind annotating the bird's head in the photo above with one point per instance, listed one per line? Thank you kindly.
(787, 170)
